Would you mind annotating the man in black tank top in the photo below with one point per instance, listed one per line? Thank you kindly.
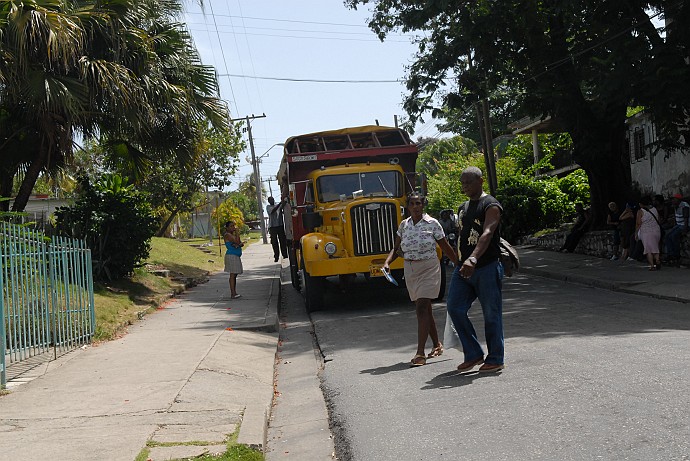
(478, 275)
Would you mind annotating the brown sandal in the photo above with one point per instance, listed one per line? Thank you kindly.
(436, 351)
(418, 360)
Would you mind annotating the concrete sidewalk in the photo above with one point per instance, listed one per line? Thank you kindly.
(194, 371)
(670, 283)
(203, 365)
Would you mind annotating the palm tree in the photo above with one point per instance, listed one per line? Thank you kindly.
(120, 70)
(39, 96)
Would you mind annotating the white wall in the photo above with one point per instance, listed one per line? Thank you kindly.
(654, 173)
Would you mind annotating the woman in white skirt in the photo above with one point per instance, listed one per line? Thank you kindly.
(417, 238)
(233, 256)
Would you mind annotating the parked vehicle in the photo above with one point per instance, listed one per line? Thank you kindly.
(347, 193)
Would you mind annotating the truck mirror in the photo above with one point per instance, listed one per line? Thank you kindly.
(311, 221)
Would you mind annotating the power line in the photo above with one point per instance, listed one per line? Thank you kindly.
(333, 32)
(342, 39)
(285, 79)
(225, 62)
(251, 60)
(288, 20)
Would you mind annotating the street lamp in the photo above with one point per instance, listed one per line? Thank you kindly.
(257, 179)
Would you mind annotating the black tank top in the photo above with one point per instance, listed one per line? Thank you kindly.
(472, 215)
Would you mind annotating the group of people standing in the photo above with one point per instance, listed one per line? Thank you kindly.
(644, 226)
(478, 273)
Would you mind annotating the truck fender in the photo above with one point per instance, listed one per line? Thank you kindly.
(312, 246)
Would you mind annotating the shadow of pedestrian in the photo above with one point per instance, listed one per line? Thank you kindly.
(401, 366)
(455, 378)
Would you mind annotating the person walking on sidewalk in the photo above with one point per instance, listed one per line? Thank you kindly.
(417, 237)
(479, 275)
(233, 256)
(673, 236)
(648, 230)
(276, 227)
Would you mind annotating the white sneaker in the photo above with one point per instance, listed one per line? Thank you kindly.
(614, 258)
(630, 259)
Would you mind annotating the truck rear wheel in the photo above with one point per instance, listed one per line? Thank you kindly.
(313, 290)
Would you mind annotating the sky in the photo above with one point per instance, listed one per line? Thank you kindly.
(260, 47)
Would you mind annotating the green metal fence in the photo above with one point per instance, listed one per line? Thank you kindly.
(46, 304)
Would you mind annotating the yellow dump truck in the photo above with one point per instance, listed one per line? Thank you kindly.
(347, 192)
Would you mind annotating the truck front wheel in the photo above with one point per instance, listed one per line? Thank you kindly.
(313, 290)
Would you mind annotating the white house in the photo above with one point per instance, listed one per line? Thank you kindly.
(653, 170)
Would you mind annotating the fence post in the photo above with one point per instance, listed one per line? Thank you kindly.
(3, 338)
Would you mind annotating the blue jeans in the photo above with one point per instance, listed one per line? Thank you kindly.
(672, 241)
(484, 284)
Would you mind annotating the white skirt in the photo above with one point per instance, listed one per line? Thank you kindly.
(233, 264)
(423, 278)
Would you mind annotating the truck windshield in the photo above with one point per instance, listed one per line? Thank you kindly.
(372, 184)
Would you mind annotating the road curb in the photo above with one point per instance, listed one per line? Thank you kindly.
(598, 283)
(254, 426)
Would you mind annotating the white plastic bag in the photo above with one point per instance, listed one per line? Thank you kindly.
(450, 336)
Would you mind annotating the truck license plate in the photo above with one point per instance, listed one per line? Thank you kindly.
(375, 271)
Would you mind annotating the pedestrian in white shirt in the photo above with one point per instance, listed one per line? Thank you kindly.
(416, 239)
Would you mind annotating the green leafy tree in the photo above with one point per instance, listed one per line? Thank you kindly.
(116, 222)
(504, 109)
(521, 150)
(582, 63)
(247, 205)
(435, 152)
(178, 188)
(530, 204)
(126, 72)
(247, 188)
(228, 211)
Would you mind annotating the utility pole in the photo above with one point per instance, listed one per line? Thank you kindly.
(491, 166)
(270, 189)
(487, 144)
(257, 174)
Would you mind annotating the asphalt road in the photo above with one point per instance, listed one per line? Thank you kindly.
(590, 374)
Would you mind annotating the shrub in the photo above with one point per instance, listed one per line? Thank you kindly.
(228, 211)
(116, 222)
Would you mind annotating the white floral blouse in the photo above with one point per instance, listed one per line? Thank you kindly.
(418, 241)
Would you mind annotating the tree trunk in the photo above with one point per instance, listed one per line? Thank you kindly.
(6, 183)
(164, 227)
(599, 148)
(30, 178)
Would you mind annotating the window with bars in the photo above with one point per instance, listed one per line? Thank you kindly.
(638, 143)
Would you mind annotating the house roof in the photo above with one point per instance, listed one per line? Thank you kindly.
(527, 124)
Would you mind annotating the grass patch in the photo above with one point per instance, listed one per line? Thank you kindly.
(121, 302)
(234, 452)
(182, 258)
(193, 443)
(143, 455)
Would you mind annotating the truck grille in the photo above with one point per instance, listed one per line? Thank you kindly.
(373, 228)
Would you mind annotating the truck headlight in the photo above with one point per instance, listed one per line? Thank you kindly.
(330, 248)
